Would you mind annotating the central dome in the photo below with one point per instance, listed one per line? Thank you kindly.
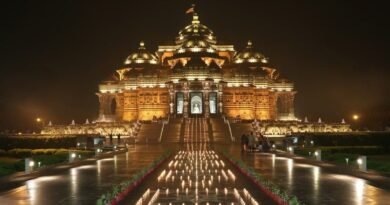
(196, 28)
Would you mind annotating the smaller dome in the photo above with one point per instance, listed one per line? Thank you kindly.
(249, 55)
(143, 56)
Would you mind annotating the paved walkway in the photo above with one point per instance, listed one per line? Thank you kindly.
(83, 184)
(313, 184)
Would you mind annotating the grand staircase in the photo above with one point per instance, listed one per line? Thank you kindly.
(173, 132)
(194, 129)
(219, 130)
(149, 133)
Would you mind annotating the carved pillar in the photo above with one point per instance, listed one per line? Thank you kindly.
(101, 103)
(219, 98)
(172, 96)
(206, 91)
(119, 98)
(186, 98)
(104, 103)
(273, 111)
(291, 98)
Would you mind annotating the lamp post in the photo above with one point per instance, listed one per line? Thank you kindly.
(356, 118)
(40, 123)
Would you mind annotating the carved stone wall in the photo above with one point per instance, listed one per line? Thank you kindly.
(153, 102)
(239, 101)
(130, 107)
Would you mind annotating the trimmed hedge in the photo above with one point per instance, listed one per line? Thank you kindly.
(381, 139)
(21, 153)
(8, 143)
(361, 150)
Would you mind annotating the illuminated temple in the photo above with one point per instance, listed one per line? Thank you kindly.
(197, 76)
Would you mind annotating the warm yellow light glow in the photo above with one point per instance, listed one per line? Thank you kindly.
(38, 119)
(355, 117)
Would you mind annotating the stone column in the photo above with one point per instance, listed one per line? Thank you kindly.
(290, 104)
(119, 98)
(186, 99)
(206, 91)
(172, 97)
(104, 104)
(219, 98)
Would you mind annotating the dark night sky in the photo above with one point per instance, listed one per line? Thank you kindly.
(54, 53)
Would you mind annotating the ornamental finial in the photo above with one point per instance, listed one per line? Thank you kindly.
(142, 44)
(250, 43)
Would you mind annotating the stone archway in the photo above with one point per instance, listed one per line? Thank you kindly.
(196, 103)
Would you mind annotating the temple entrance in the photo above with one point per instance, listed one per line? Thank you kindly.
(196, 103)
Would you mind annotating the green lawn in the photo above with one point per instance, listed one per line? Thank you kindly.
(9, 165)
(380, 163)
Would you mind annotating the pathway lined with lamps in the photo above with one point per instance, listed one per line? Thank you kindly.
(198, 175)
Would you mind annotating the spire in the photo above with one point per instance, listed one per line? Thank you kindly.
(306, 120)
(195, 19)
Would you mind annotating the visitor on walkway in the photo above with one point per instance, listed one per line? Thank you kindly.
(266, 144)
(244, 142)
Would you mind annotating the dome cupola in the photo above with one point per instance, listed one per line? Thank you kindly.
(142, 56)
(249, 55)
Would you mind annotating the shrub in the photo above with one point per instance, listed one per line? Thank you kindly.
(381, 139)
(20, 152)
(40, 142)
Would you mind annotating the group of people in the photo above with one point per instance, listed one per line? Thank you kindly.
(253, 143)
